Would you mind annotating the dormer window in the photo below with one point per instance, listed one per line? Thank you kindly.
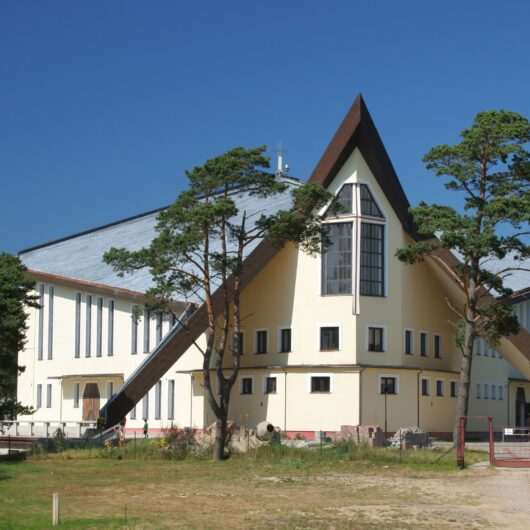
(350, 229)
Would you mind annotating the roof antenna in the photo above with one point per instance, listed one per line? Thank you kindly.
(281, 169)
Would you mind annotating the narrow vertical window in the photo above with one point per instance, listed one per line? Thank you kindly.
(110, 329)
(171, 399)
(158, 400)
(501, 392)
(110, 389)
(261, 341)
(425, 387)
(88, 333)
(408, 342)
(77, 394)
(147, 323)
(49, 396)
(133, 413)
(337, 260)
(285, 340)
(270, 385)
(134, 331)
(440, 388)
(375, 339)
(39, 396)
(99, 327)
(438, 346)
(51, 291)
(493, 392)
(145, 407)
(372, 260)
(159, 321)
(241, 342)
(477, 390)
(453, 388)
(77, 333)
(423, 344)
(40, 348)
(486, 391)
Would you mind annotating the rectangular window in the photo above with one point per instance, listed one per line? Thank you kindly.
(99, 327)
(486, 391)
(375, 339)
(409, 342)
(270, 385)
(423, 344)
(77, 395)
(329, 338)
(438, 346)
(147, 325)
(261, 341)
(501, 392)
(88, 331)
(453, 388)
(439, 388)
(134, 332)
(372, 260)
(110, 329)
(158, 400)
(477, 390)
(493, 392)
(51, 292)
(285, 340)
(388, 385)
(39, 396)
(110, 389)
(425, 387)
(246, 385)
(145, 407)
(320, 383)
(133, 413)
(337, 260)
(159, 321)
(171, 399)
(49, 396)
(77, 332)
(40, 348)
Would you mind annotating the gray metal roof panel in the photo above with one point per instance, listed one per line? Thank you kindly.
(81, 256)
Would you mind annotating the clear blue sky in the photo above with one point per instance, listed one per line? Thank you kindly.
(104, 104)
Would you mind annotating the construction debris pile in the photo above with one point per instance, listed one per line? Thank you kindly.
(410, 438)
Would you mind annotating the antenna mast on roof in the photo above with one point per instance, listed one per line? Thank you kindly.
(281, 169)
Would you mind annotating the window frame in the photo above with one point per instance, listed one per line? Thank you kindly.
(455, 383)
(380, 383)
(242, 385)
(437, 351)
(111, 313)
(257, 348)
(383, 329)
(440, 390)
(281, 329)
(411, 331)
(266, 378)
(312, 376)
(425, 392)
(424, 352)
(319, 337)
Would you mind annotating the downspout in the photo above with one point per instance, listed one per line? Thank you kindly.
(361, 395)
(191, 401)
(418, 395)
(285, 400)
(508, 402)
(61, 393)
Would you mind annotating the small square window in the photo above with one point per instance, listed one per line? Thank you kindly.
(439, 388)
(425, 387)
(408, 342)
(388, 385)
(270, 385)
(285, 340)
(246, 385)
(453, 388)
(261, 341)
(438, 346)
(329, 338)
(423, 344)
(320, 384)
(375, 339)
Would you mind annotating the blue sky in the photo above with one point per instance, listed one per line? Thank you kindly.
(104, 104)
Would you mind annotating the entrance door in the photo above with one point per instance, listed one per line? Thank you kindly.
(91, 402)
(520, 408)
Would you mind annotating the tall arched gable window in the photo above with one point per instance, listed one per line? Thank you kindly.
(354, 215)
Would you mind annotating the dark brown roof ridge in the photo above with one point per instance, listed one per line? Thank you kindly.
(358, 130)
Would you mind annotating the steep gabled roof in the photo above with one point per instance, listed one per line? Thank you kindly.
(358, 130)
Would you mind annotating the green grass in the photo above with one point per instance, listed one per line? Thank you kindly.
(98, 486)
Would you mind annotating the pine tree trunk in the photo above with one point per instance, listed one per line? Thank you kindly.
(220, 437)
(464, 382)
